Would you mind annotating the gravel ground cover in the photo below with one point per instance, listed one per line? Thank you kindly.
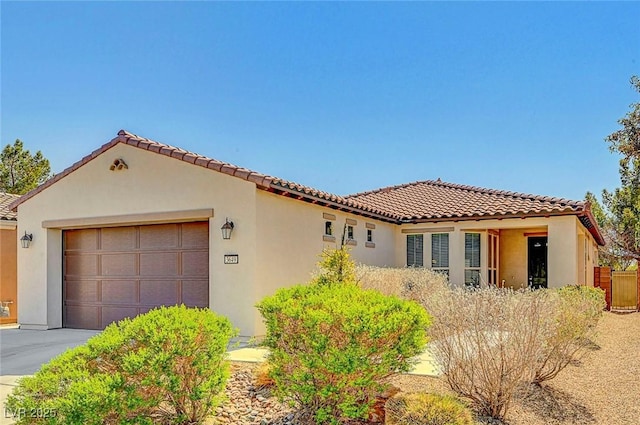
(601, 388)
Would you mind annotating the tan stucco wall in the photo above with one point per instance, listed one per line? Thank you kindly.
(513, 256)
(290, 239)
(8, 269)
(152, 183)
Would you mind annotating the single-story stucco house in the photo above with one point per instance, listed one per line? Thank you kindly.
(8, 259)
(137, 224)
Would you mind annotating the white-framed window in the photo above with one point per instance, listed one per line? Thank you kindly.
(440, 252)
(472, 259)
(415, 250)
(350, 232)
(369, 235)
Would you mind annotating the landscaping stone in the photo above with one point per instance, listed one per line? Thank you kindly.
(247, 404)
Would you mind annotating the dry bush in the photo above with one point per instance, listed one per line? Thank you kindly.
(488, 340)
(426, 409)
(577, 310)
(410, 282)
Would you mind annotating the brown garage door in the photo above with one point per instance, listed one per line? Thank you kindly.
(118, 272)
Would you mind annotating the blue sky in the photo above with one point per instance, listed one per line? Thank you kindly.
(344, 97)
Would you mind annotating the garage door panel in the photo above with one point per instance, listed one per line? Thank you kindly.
(113, 314)
(86, 239)
(82, 265)
(119, 264)
(119, 292)
(195, 293)
(161, 292)
(159, 264)
(119, 272)
(82, 290)
(118, 239)
(82, 317)
(195, 263)
(161, 235)
(195, 235)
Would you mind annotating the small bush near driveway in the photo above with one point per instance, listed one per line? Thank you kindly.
(333, 344)
(164, 367)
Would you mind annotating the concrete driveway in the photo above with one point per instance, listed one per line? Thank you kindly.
(22, 353)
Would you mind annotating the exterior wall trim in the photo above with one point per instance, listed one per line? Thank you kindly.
(8, 224)
(130, 219)
(428, 230)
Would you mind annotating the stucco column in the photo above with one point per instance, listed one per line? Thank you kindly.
(54, 278)
(456, 259)
(562, 252)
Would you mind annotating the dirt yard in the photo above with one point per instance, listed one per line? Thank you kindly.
(602, 388)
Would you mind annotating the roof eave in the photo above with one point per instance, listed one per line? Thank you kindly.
(118, 139)
(593, 229)
(488, 217)
(318, 200)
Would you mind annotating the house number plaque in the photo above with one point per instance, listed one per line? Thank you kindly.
(231, 259)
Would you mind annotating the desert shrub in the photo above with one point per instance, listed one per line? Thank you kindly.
(577, 310)
(335, 266)
(426, 409)
(167, 366)
(333, 345)
(488, 342)
(414, 283)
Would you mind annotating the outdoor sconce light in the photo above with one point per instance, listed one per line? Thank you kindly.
(227, 228)
(26, 240)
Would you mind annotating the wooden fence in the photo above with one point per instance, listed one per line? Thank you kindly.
(622, 288)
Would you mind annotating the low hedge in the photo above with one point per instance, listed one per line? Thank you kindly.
(167, 366)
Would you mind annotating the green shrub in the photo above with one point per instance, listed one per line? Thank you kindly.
(167, 366)
(426, 409)
(332, 346)
(576, 312)
(335, 266)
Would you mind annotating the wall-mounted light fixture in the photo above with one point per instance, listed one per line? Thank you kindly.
(26, 240)
(227, 228)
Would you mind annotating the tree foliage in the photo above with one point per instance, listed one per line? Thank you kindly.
(613, 254)
(620, 217)
(20, 171)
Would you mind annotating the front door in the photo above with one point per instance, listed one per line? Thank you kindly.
(537, 254)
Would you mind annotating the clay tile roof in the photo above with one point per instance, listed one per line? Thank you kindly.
(436, 200)
(430, 200)
(6, 213)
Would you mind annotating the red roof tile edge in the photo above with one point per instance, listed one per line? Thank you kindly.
(281, 186)
(477, 189)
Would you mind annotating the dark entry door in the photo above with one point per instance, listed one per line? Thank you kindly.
(537, 255)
